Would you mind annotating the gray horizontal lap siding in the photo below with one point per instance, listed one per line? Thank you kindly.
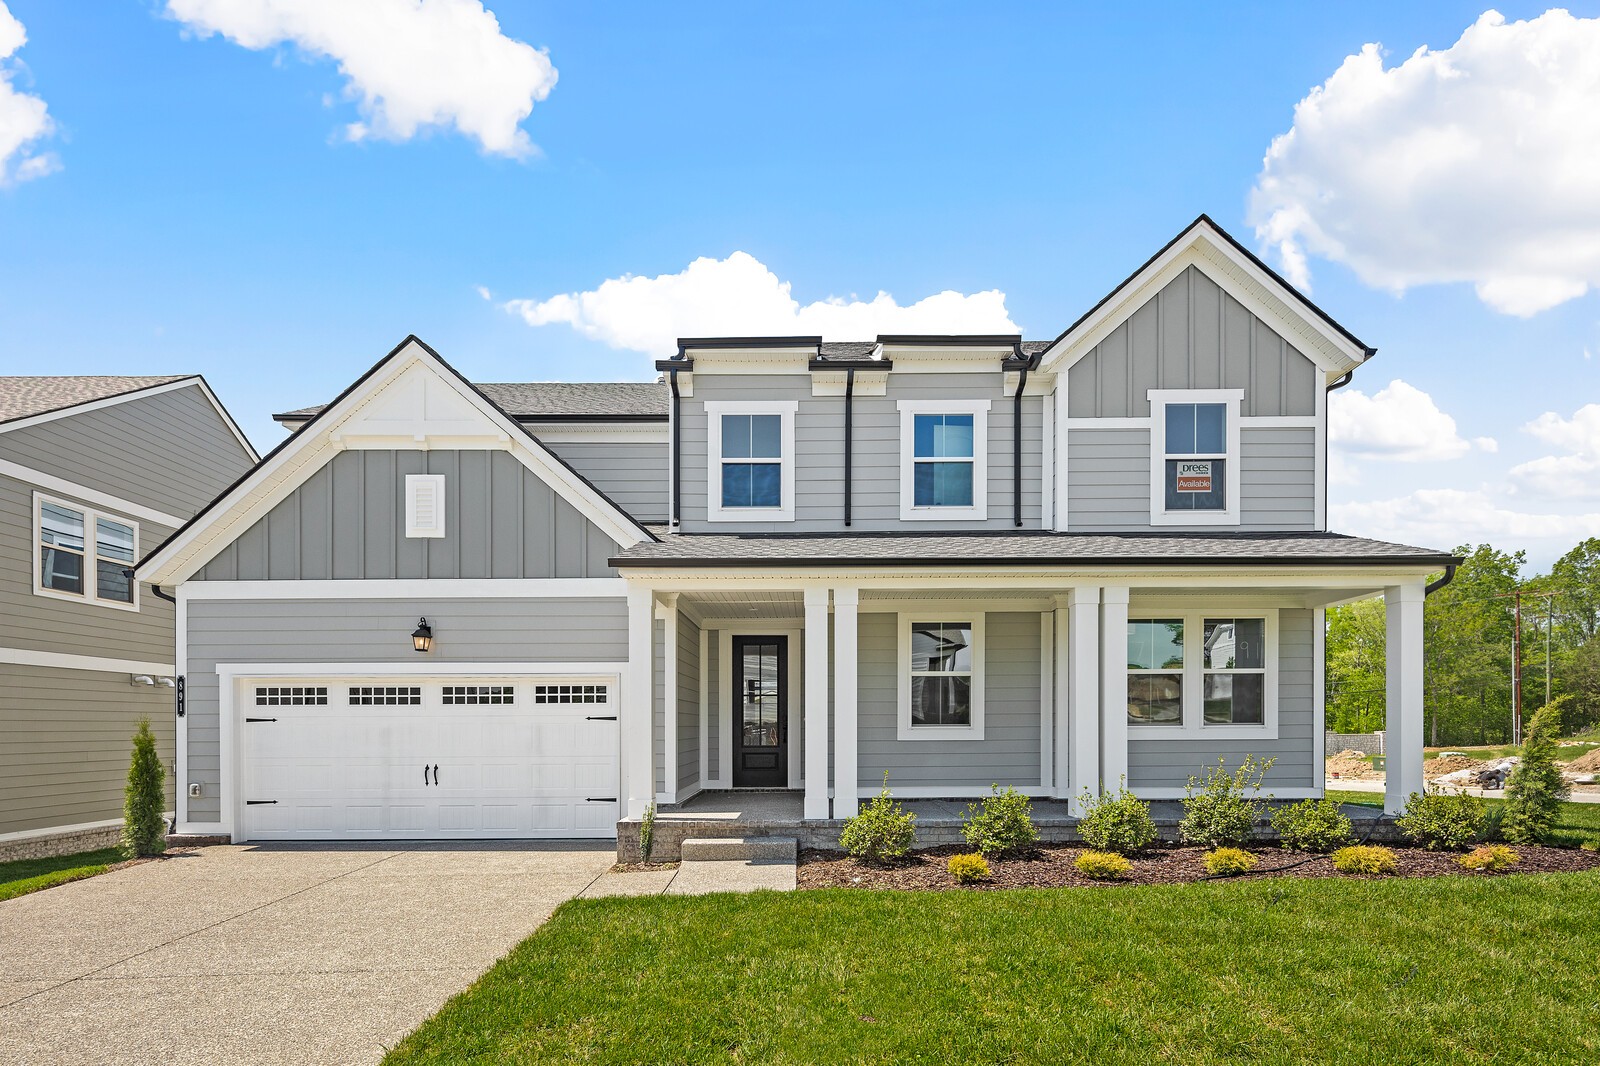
(379, 631)
(1008, 754)
(1163, 763)
(348, 522)
(1108, 479)
(634, 474)
(875, 454)
(1191, 335)
(688, 703)
(171, 452)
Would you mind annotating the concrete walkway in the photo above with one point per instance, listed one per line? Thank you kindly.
(697, 879)
(281, 954)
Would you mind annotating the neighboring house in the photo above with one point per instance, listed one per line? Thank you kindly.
(529, 610)
(94, 472)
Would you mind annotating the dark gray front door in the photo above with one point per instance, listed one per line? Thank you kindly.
(760, 712)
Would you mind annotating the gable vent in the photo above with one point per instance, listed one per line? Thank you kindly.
(424, 505)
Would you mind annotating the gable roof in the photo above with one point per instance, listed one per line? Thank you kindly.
(305, 451)
(26, 396)
(561, 401)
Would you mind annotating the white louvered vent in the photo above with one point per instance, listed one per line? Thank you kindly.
(424, 505)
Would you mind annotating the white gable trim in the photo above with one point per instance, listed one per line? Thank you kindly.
(138, 394)
(372, 417)
(1261, 294)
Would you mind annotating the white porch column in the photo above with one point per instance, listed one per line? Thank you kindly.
(1113, 688)
(1403, 687)
(846, 650)
(638, 719)
(667, 611)
(816, 699)
(1061, 704)
(1083, 686)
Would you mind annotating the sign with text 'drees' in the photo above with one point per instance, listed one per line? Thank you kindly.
(1194, 476)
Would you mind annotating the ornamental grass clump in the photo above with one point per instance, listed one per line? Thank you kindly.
(1442, 822)
(1312, 825)
(1225, 862)
(1489, 857)
(1118, 822)
(967, 869)
(883, 830)
(1222, 811)
(144, 826)
(1536, 788)
(1102, 865)
(1002, 825)
(1368, 859)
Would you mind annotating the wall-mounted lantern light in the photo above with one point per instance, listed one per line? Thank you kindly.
(422, 637)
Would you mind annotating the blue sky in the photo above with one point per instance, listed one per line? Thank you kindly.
(203, 207)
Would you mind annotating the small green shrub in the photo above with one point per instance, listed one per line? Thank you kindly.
(1102, 865)
(647, 832)
(968, 868)
(1002, 825)
(1119, 822)
(1536, 789)
(1222, 811)
(1489, 857)
(883, 830)
(144, 826)
(1442, 822)
(1312, 825)
(1367, 859)
(1226, 861)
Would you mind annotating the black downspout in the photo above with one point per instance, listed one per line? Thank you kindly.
(1341, 383)
(1016, 449)
(677, 436)
(849, 398)
(1435, 586)
(177, 698)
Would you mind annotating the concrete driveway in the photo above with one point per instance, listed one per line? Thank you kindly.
(269, 954)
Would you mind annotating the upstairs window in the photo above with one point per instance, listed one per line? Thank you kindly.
(82, 554)
(1194, 457)
(751, 461)
(943, 460)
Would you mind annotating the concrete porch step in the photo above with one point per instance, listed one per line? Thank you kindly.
(746, 849)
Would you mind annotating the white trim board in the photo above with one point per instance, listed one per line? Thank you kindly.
(532, 588)
(60, 660)
(40, 480)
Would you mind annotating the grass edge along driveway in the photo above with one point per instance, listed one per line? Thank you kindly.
(21, 876)
(1461, 970)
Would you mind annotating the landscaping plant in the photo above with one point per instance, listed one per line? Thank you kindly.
(1228, 861)
(1222, 811)
(144, 827)
(1118, 822)
(883, 830)
(968, 868)
(1367, 859)
(1536, 789)
(647, 832)
(1442, 822)
(1312, 825)
(1002, 825)
(1103, 865)
(1489, 857)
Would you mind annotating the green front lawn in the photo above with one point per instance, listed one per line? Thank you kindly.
(1461, 970)
(29, 875)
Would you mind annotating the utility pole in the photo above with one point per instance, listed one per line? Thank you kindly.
(1516, 670)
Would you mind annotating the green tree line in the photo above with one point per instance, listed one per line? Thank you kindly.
(1468, 648)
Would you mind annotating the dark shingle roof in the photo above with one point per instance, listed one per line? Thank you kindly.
(552, 401)
(1023, 548)
(23, 397)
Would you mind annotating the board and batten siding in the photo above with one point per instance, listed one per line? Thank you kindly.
(875, 456)
(1169, 763)
(1191, 335)
(1108, 479)
(635, 474)
(171, 452)
(1009, 752)
(500, 630)
(347, 521)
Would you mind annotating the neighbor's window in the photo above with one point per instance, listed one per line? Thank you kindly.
(943, 460)
(83, 554)
(752, 461)
(941, 673)
(1155, 671)
(1196, 456)
(1235, 671)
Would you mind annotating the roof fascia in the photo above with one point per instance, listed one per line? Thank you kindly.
(222, 412)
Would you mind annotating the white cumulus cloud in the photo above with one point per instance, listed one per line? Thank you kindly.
(1475, 163)
(1573, 476)
(410, 65)
(738, 296)
(1443, 518)
(1399, 422)
(24, 118)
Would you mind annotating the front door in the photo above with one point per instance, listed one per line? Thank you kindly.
(761, 712)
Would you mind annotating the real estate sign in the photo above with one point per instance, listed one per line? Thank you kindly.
(1194, 476)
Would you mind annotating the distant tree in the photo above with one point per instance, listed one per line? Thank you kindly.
(1467, 650)
(144, 830)
(1355, 667)
(1536, 788)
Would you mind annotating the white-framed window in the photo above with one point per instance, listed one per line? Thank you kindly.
(1194, 456)
(944, 460)
(1210, 673)
(750, 460)
(941, 675)
(80, 554)
(425, 502)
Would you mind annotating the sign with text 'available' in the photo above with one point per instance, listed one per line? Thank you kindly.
(1194, 476)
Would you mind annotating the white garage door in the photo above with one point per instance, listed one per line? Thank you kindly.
(463, 758)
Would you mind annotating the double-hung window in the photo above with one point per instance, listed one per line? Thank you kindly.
(82, 554)
(751, 461)
(943, 460)
(1194, 468)
(941, 676)
(1203, 673)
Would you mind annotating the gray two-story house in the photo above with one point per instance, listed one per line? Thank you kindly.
(94, 472)
(441, 609)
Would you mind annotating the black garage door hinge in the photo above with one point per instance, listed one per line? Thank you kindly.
(600, 799)
(257, 803)
(260, 719)
(600, 718)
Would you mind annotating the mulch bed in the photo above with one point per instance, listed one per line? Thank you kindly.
(1051, 867)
